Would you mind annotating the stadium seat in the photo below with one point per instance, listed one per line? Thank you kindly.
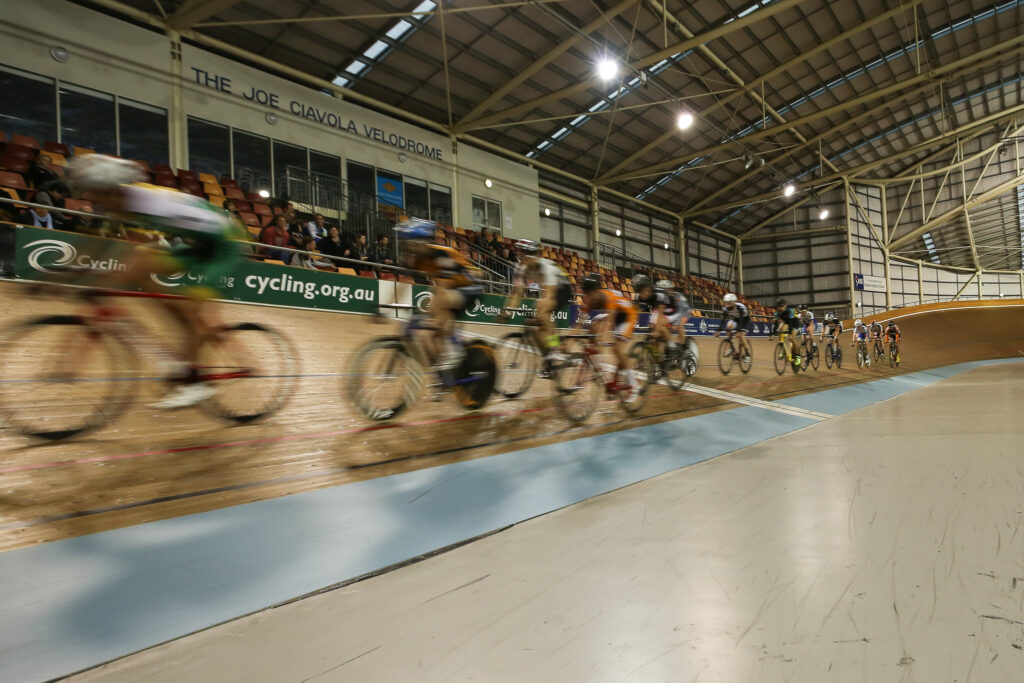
(165, 181)
(25, 140)
(3, 137)
(13, 194)
(163, 168)
(78, 205)
(254, 231)
(274, 262)
(243, 206)
(407, 279)
(12, 180)
(206, 178)
(254, 197)
(215, 200)
(250, 219)
(346, 271)
(387, 275)
(233, 193)
(14, 164)
(57, 159)
(228, 182)
(82, 151)
(57, 148)
(367, 273)
(261, 209)
(211, 189)
(20, 151)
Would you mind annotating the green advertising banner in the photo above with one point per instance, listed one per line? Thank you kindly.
(38, 251)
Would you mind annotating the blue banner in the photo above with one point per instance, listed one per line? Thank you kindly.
(389, 191)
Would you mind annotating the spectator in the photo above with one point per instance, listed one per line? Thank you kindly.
(334, 245)
(382, 251)
(229, 206)
(276, 235)
(41, 171)
(40, 218)
(316, 227)
(309, 260)
(360, 250)
(53, 194)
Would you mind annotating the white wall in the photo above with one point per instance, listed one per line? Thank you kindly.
(116, 57)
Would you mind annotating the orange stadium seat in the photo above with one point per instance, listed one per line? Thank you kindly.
(215, 200)
(82, 151)
(212, 189)
(346, 271)
(208, 179)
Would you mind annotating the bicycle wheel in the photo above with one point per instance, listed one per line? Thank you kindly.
(781, 358)
(879, 352)
(673, 369)
(815, 358)
(579, 387)
(726, 351)
(63, 376)
(476, 376)
(384, 379)
(253, 368)
(861, 353)
(839, 356)
(518, 363)
(643, 366)
(645, 370)
(746, 358)
(893, 354)
(829, 356)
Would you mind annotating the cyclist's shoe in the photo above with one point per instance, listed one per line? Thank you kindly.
(632, 392)
(796, 360)
(185, 395)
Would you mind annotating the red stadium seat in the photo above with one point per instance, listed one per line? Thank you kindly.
(57, 148)
(26, 140)
(233, 193)
(367, 273)
(253, 197)
(20, 151)
(14, 164)
(184, 174)
(12, 180)
(78, 205)
(243, 206)
(228, 182)
(261, 209)
(165, 181)
(163, 168)
(3, 137)
(250, 218)
(387, 275)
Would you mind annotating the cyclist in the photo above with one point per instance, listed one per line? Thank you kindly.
(860, 334)
(832, 327)
(457, 287)
(787, 324)
(205, 251)
(735, 318)
(874, 330)
(610, 310)
(667, 310)
(892, 334)
(807, 325)
(555, 292)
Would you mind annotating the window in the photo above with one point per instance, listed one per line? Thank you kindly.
(143, 131)
(252, 161)
(290, 170)
(417, 200)
(361, 184)
(34, 110)
(327, 164)
(486, 214)
(209, 148)
(88, 119)
(441, 203)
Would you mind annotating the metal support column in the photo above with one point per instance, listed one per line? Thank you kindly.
(981, 294)
(682, 245)
(849, 246)
(595, 221)
(885, 252)
(177, 125)
(920, 282)
(966, 285)
(739, 266)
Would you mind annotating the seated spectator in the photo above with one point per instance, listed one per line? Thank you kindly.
(40, 218)
(309, 260)
(382, 251)
(41, 171)
(53, 194)
(334, 245)
(276, 235)
(316, 227)
(360, 250)
(229, 206)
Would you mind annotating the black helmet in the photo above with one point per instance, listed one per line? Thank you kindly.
(641, 281)
(592, 282)
(780, 302)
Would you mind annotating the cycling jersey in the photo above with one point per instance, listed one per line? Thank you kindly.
(892, 331)
(876, 330)
(738, 315)
(612, 303)
(446, 265)
(860, 332)
(545, 272)
(675, 305)
(834, 327)
(788, 317)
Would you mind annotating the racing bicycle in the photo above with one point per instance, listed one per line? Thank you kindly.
(521, 359)
(782, 358)
(863, 355)
(387, 374)
(68, 374)
(833, 352)
(809, 353)
(675, 365)
(878, 352)
(582, 381)
(894, 355)
(729, 354)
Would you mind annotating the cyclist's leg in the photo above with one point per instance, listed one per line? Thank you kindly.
(545, 328)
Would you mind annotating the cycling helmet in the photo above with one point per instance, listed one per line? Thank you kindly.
(101, 172)
(640, 281)
(780, 302)
(663, 284)
(890, 322)
(592, 282)
(416, 229)
(873, 323)
(830, 316)
(858, 322)
(729, 298)
(527, 246)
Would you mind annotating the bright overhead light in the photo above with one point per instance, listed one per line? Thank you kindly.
(685, 120)
(607, 69)
(547, 212)
(823, 214)
(789, 189)
(666, 245)
(264, 194)
(618, 233)
(487, 182)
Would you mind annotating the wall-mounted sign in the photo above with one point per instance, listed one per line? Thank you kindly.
(868, 283)
(322, 113)
(389, 191)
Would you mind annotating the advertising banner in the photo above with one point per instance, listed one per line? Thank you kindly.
(389, 192)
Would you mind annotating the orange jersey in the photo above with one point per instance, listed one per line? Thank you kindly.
(611, 301)
(446, 264)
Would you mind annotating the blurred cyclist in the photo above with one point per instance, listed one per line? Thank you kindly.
(206, 252)
(787, 325)
(735, 318)
(610, 310)
(892, 334)
(860, 334)
(555, 292)
(669, 310)
(457, 287)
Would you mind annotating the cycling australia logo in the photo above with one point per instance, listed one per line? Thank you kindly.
(423, 301)
(56, 253)
(703, 326)
(174, 280)
(482, 308)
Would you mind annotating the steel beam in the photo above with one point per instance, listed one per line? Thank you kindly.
(192, 12)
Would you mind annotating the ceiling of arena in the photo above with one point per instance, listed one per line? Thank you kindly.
(802, 91)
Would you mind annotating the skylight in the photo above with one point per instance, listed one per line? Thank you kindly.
(399, 31)
(930, 246)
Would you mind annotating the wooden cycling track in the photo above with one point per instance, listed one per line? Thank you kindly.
(153, 465)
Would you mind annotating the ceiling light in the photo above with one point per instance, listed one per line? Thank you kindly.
(789, 189)
(823, 214)
(618, 233)
(750, 162)
(264, 193)
(607, 69)
(666, 245)
(685, 120)
(487, 182)
(547, 212)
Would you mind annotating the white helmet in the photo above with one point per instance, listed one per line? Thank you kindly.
(858, 322)
(100, 172)
(729, 298)
(663, 284)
